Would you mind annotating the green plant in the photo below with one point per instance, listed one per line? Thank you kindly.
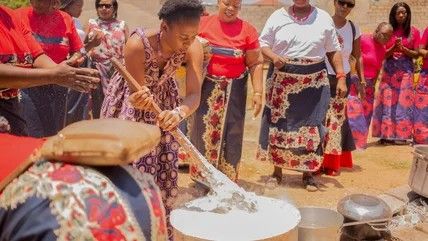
(15, 3)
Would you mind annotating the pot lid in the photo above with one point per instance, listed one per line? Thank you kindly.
(361, 207)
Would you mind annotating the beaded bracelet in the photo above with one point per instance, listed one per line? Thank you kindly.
(340, 75)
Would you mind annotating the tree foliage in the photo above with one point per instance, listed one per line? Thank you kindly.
(15, 3)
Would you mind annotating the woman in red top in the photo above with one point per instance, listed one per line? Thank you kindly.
(18, 48)
(56, 33)
(218, 124)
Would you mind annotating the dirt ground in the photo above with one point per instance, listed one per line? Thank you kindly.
(375, 171)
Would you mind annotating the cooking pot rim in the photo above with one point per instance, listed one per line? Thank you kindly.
(384, 211)
(338, 226)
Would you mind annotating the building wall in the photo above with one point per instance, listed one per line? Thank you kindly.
(367, 13)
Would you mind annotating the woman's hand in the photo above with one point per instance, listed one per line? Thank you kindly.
(80, 79)
(257, 104)
(93, 39)
(142, 99)
(362, 89)
(341, 88)
(169, 119)
(278, 61)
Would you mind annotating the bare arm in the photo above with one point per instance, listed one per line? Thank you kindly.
(269, 55)
(16, 77)
(254, 61)
(412, 53)
(43, 61)
(335, 58)
(194, 78)
(126, 32)
(423, 52)
(356, 52)
(135, 59)
(62, 74)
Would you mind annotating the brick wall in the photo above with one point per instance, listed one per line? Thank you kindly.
(367, 13)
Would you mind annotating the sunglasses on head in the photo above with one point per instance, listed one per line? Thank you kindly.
(104, 5)
(345, 4)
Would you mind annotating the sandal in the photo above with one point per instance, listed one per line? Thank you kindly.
(309, 182)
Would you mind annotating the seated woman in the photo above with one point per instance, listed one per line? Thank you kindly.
(59, 201)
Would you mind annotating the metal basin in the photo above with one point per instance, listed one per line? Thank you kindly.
(319, 224)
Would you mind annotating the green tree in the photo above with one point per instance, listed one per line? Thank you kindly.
(15, 3)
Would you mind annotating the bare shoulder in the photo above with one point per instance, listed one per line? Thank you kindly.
(134, 43)
(151, 33)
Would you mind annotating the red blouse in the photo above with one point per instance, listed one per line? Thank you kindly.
(17, 45)
(239, 35)
(410, 42)
(55, 32)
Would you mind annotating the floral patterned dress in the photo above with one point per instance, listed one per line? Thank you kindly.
(111, 46)
(393, 108)
(162, 162)
(421, 100)
(57, 201)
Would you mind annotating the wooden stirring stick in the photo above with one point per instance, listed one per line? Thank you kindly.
(213, 176)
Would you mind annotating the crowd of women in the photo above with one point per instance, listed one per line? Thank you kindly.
(319, 92)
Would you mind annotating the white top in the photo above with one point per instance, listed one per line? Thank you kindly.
(345, 39)
(79, 29)
(310, 39)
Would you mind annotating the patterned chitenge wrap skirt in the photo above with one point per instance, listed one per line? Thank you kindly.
(421, 110)
(217, 127)
(394, 103)
(57, 201)
(297, 99)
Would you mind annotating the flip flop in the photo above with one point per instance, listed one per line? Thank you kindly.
(310, 184)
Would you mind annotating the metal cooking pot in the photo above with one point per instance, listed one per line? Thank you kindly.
(361, 207)
(319, 224)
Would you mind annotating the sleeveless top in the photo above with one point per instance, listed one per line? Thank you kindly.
(162, 85)
(113, 42)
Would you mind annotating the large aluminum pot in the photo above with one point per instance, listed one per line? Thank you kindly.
(319, 224)
(361, 207)
(418, 179)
